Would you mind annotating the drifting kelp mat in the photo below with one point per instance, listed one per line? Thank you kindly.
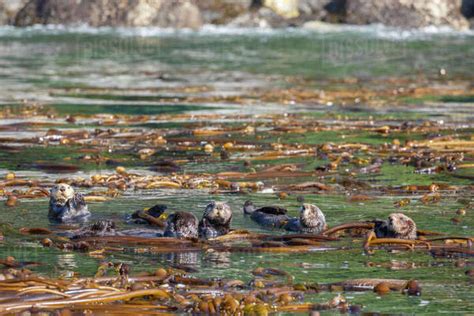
(355, 163)
(171, 290)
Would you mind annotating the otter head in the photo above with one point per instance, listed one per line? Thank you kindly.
(312, 217)
(402, 225)
(249, 208)
(218, 212)
(60, 194)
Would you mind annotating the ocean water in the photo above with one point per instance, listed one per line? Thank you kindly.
(149, 71)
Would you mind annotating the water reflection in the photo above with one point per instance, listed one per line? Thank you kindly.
(217, 259)
(66, 264)
(184, 259)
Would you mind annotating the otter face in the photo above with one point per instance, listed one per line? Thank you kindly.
(61, 193)
(312, 217)
(249, 208)
(402, 225)
(218, 212)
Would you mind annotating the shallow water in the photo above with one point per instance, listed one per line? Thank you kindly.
(157, 73)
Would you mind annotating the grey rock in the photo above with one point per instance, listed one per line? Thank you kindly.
(407, 13)
(222, 11)
(9, 9)
(263, 17)
(163, 13)
(308, 10)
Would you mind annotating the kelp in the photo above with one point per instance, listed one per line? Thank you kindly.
(249, 242)
(170, 290)
(294, 156)
(166, 290)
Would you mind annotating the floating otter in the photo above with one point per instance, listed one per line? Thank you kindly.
(65, 205)
(182, 225)
(267, 216)
(398, 225)
(215, 220)
(178, 225)
(105, 228)
(311, 219)
(100, 228)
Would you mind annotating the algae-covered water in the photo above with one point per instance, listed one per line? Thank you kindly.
(172, 83)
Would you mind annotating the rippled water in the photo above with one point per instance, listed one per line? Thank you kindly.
(149, 71)
(39, 63)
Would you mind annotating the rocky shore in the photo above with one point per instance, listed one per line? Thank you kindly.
(457, 14)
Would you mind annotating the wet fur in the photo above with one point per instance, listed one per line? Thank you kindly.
(267, 216)
(65, 205)
(215, 220)
(311, 219)
(182, 225)
(107, 228)
(397, 225)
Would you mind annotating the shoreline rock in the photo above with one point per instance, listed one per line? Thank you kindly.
(407, 13)
(193, 14)
(161, 13)
(9, 9)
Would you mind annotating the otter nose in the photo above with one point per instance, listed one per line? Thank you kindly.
(62, 189)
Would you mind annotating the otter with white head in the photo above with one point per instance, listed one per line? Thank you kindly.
(65, 205)
(310, 221)
(215, 220)
(398, 226)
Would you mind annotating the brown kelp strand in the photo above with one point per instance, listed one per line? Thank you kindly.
(360, 234)
(165, 290)
(358, 149)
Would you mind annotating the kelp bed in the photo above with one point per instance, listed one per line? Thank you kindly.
(170, 291)
(355, 165)
(173, 290)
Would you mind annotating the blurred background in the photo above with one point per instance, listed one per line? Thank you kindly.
(221, 51)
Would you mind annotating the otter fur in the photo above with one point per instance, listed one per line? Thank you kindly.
(65, 205)
(397, 225)
(215, 220)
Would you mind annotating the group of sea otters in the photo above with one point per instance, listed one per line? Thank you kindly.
(65, 205)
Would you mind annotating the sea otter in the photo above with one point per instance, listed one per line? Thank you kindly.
(267, 216)
(178, 225)
(311, 219)
(215, 220)
(398, 225)
(65, 205)
(108, 228)
(182, 225)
